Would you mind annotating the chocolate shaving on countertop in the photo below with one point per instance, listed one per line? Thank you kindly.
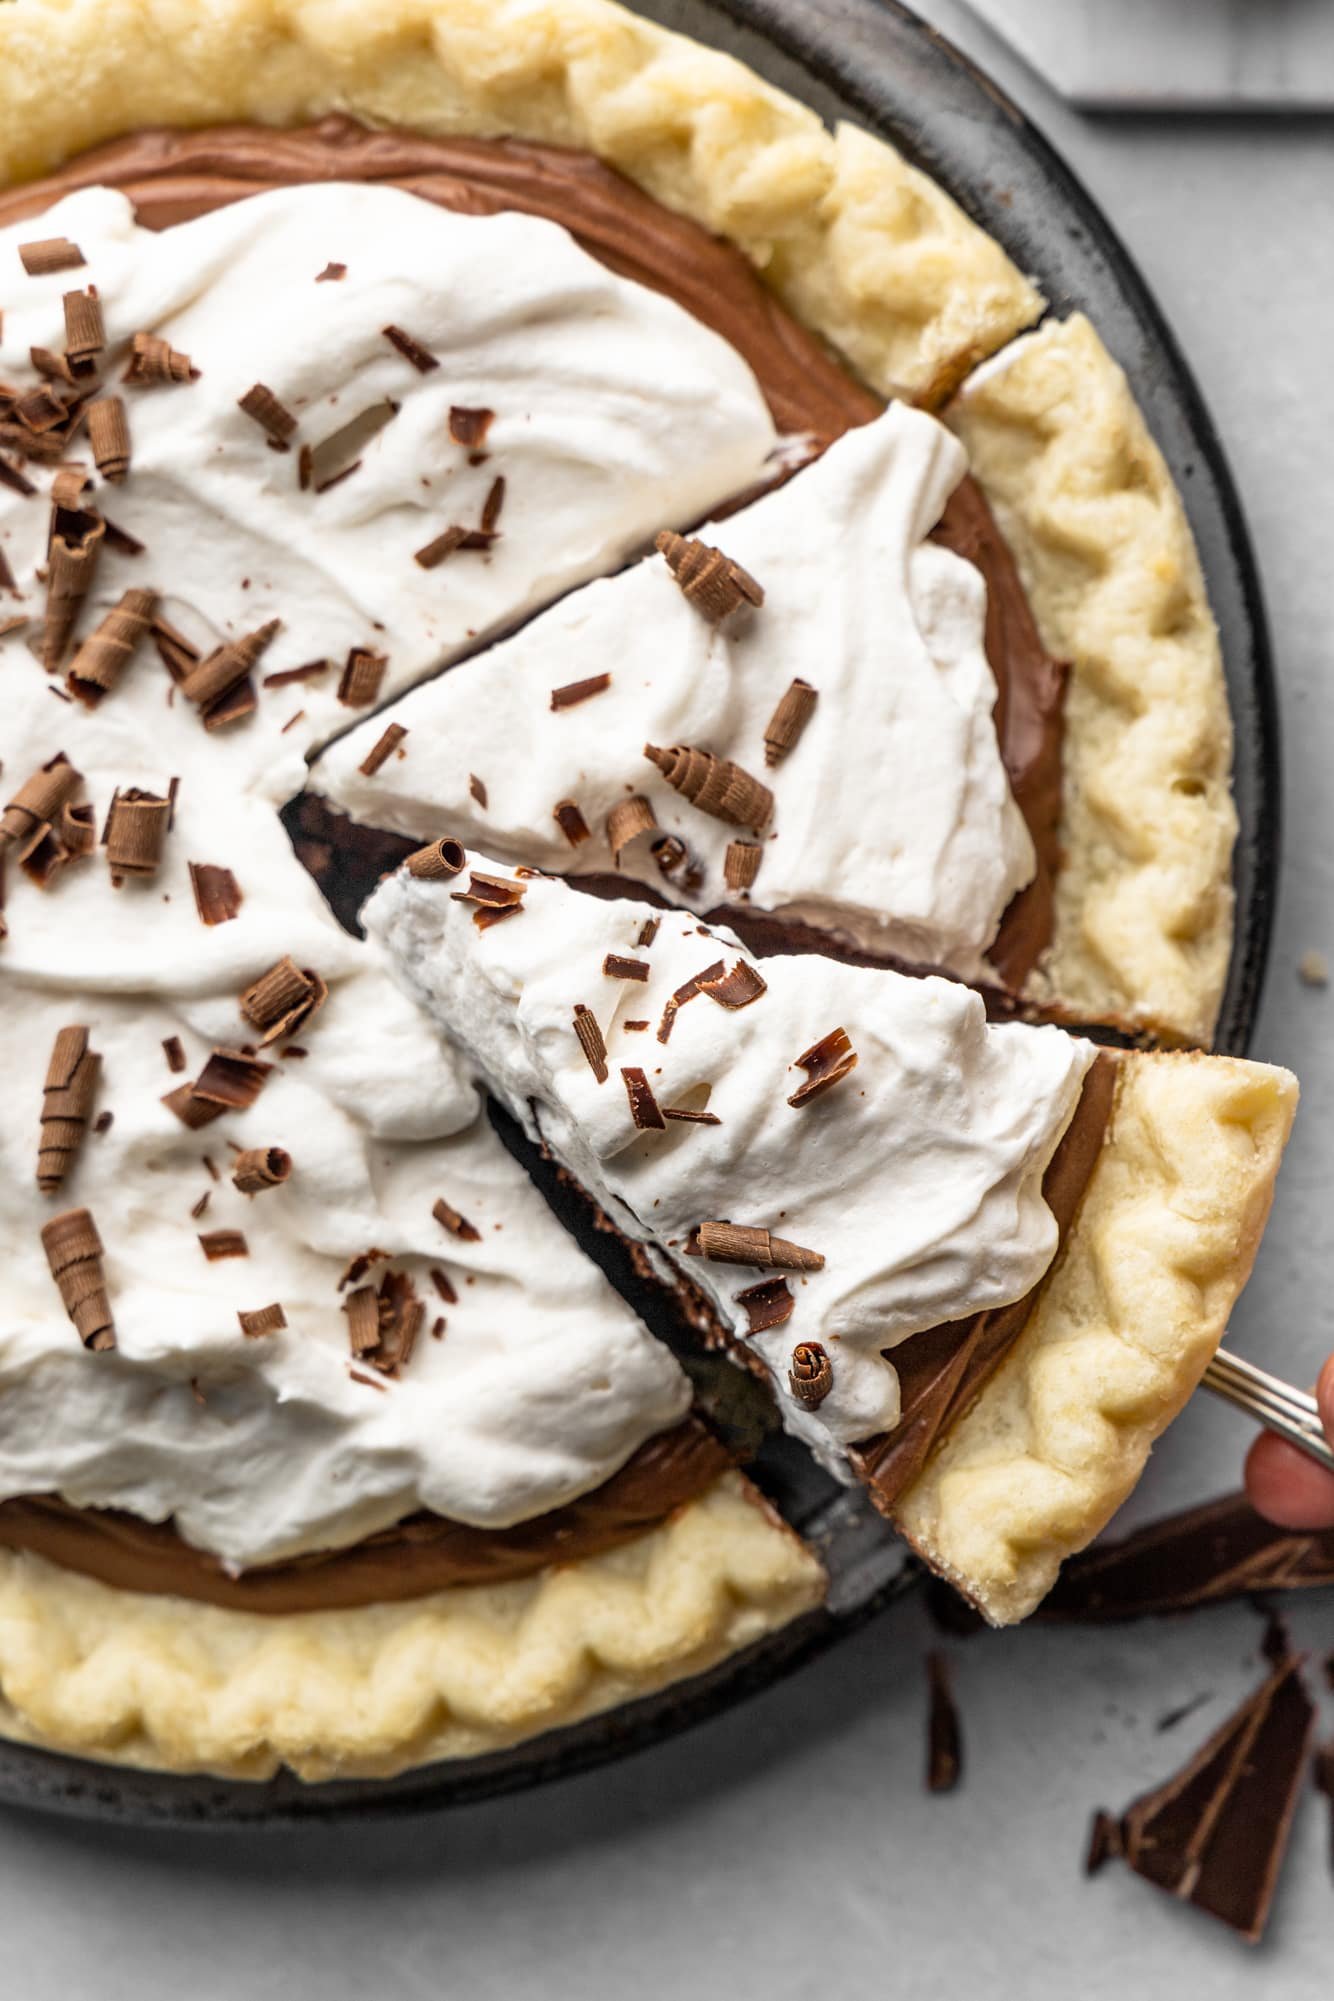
(67, 1101)
(784, 727)
(269, 412)
(811, 1376)
(230, 1081)
(412, 350)
(219, 1244)
(457, 1225)
(643, 1105)
(440, 862)
(590, 1041)
(71, 564)
(746, 1244)
(208, 684)
(712, 582)
(1222, 1549)
(574, 692)
(109, 437)
(382, 750)
(687, 991)
(259, 1168)
(74, 1253)
(85, 335)
(737, 988)
(282, 999)
(682, 1113)
(617, 968)
(136, 832)
(714, 784)
(261, 1321)
(39, 800)
(571, 821)
(944, 1743)
(174, 1051)
(826, 1063)
(217, 893)
(359, 682)
(469, 427)
(741, 864)
(1215, 1833)
(768, 1304)
(154, 360)
(103, 656)
(50, 253)
(627, 819)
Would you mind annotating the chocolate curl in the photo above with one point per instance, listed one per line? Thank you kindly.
(71, 564)
(363, 1319)
(359, 683)
(458, 1226)
(440, 862)
(67, 1100)
(74, 1253)
(282, 999)
(627, 819)
(382, 750)
(645, 1111)
(571, 821)
(227, 666)
(741, 864)
(713, 583)
(50, 253)
(714, 784)
(788, 720)
(217, 893)
(71, 836)
(136, 832)
(811, 1376)
(734, 989)
(768, 1304)
(826, 1063)
(272, 415)
(260, 1167)
(103, 656)
(154, 360)
(85, 336)
(590, 1040)
(109, 436)
(39, 800)
(742, 1244)
(69, 486)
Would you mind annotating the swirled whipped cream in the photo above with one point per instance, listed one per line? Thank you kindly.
(604, 408)
(916, 1177)
(893, 821)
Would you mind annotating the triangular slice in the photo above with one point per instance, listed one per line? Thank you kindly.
(844, 1162)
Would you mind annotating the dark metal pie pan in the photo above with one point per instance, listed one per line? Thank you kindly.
(876, 63)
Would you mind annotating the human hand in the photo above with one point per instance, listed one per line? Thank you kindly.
(1283, 1483)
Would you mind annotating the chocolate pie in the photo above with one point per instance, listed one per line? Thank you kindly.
(837, 636)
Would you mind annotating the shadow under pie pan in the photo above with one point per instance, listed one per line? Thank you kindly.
(874, 63)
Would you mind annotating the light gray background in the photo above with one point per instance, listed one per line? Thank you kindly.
(789, 1850)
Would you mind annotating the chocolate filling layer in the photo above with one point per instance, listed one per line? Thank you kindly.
(174, 176)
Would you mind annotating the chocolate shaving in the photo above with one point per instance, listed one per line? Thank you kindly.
(71, 835)
(477, 789)
(686, 992)
(768, 1304)
(154, 361)
(469, 427)
(359, 683)
(444, 1285)
(440, 862)
(746, 1244)
(491, 506)
(712, 582)
(356, 1268)
(226, 669)
(310, 670)
(176, 653)
(67, 1100)
(121, 540)
(71, 564)
(633, 1028)
(85, 335)
(735, 989)
(571, 822)
(682, 1113)
(811, 1376)
(495, 895)
(441, 547)
(261, 1321)
(174, 1050)
(617, 968)
(363, 1320)
(136, 832)
(575, 692)
(260, 1167)
(322, 465)
(714, 784)
(230, 1081)
(457, 1225)
(331, 274)
(643, 1105)
(590, 1041)
(69, 487)
(197, 1208)
(281, 1000)
(103, 1122)
(741, 864)
(399, 1317)
(15, 478)
(38, 802)
(1215, 1834)
(217, 893)
(103, 656)
(270, 413)
(50, 253)
(412, 350)
(74, 1253)
(218, 1244)
(55, 367)
(789, 719)
(627, 819)
(381, 751)
(944, 1747)
(827, 1062)
(109, 435)
(648, 931)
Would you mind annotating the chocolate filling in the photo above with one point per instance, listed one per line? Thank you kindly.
(174, 176)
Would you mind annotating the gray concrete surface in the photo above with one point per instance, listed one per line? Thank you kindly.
(789, 1850)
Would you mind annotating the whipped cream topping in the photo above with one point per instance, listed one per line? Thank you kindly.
(917, 1177)
(894, 824)
(614, 411)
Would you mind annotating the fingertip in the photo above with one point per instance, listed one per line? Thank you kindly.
(1324, 1393)
(1286, 1487)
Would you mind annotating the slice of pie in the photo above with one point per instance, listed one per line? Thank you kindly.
(983, 1265)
